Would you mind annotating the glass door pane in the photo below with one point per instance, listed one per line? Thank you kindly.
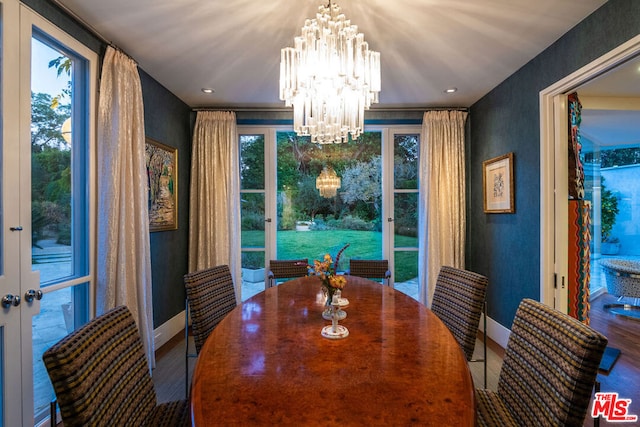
(405, 212)
(348, 210)
(60, 188)
(612, 185)
(253, 213)
(51, 152)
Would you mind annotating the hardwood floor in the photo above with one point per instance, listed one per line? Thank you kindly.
(168, 376)
(623, 333)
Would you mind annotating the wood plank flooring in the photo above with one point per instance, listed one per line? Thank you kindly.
(623, 333)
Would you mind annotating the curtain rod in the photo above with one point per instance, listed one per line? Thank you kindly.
(274, 110)
(81, 21)
(90, 28)
(284, 110)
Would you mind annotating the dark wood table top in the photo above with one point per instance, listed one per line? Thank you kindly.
(267, 363)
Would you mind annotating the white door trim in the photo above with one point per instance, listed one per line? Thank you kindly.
(548, 166)
(10, 318)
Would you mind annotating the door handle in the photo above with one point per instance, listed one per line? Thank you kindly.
(31, 294)
(10, 300)
(267, 220)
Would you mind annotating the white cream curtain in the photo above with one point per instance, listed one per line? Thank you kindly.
(214, 215)
(124, 267)
(442, 197)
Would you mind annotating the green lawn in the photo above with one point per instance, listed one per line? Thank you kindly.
(362, 244)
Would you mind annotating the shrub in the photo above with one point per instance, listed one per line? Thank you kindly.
(253, 260)
(252, 221)
(349, 222)
(406, 231)
(64, 234)
(609, 211)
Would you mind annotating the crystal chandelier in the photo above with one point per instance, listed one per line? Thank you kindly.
(328, 182)
(329, 77)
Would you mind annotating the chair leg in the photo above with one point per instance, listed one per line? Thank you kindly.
(53, 413)
(186, 348)
(484, 344)
(484, 341)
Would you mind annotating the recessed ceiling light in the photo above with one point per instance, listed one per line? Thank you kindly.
(207, 90)
(451, 90)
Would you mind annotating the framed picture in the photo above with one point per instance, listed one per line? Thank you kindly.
(497, 184)
(162, 176)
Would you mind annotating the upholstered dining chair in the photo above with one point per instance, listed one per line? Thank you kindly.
(286, 269)
(548, 373)
(100, 376)
(370, 269)
(210, 297)
(459, 301)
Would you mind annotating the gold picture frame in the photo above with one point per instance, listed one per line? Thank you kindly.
(162, 177)
(498, 184)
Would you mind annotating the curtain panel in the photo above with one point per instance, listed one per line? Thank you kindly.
(123, 247)
(214, 215)
(442, 214)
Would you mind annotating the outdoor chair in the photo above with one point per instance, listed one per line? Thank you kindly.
(287, 269)
(548, 373)
(370, 269)
(100, 376)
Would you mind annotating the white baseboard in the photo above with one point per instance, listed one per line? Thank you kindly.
(169, 329)
(496, 332)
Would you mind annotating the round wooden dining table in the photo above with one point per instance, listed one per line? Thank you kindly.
(267, 363)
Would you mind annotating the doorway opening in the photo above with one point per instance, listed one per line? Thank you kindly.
(553, 195)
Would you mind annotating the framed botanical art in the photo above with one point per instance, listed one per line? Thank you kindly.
(162, 176)
(498, 185)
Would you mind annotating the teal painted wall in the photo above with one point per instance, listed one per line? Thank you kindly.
(167, 120)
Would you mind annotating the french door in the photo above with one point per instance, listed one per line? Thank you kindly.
(375, 208)
(401, 185)
(46, 213)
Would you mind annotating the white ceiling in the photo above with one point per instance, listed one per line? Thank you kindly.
(426, 46)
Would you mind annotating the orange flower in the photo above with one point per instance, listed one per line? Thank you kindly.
(326, 270)
(338, 282)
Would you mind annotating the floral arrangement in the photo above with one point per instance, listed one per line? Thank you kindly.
(326, 270)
